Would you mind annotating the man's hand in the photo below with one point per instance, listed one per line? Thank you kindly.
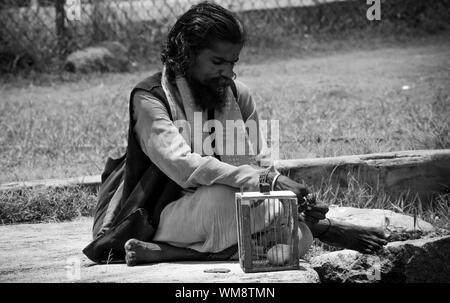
(315, 211)
(285, 183)
(308, 208)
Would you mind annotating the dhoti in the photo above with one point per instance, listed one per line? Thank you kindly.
(205, 220)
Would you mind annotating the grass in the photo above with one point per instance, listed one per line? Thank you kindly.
(360, 195)
(329, 105)
(46, 205)
(436, 212)
(335, 101)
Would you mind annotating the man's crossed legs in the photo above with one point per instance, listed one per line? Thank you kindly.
(202, 226)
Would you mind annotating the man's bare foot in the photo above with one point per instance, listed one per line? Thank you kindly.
(350, 236)
(138, 252)
(142, 252)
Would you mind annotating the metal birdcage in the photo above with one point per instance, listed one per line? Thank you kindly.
(267, 227)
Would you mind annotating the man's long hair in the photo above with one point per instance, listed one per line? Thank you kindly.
(197, 29)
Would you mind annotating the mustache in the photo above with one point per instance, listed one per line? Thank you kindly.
(220, 81)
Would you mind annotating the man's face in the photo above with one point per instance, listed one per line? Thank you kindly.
(211, 73)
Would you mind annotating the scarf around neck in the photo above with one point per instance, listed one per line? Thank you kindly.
(232, 142)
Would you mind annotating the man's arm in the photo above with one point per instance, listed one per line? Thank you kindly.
(161, 141)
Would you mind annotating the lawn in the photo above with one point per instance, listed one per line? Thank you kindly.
(329, 103)
(352, 102)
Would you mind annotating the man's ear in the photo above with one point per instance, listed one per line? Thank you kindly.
(193, 57)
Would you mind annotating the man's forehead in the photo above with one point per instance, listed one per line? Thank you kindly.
(224, 50)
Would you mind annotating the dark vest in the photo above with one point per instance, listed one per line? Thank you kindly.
(160, 190)
(147, 190)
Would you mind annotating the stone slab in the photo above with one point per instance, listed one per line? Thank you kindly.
(52, 253)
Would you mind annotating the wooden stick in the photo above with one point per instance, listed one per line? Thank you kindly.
(83, 181)
(421, 172)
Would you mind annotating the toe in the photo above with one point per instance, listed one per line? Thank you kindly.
(374, 248)
(369, 246)
(375, 240)
(381, 242)
(130, 258)
(380, 234)
(129, 245)
(379, 239)
(368, 250)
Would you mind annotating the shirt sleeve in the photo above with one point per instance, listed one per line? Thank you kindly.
(161, 141)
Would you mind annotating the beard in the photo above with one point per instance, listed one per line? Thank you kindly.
(211, 94)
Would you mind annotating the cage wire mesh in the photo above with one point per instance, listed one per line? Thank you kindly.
(44, 31)
(267, 228)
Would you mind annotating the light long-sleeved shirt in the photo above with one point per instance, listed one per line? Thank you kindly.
(162, 142)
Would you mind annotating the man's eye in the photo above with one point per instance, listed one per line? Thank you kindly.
(217, 62)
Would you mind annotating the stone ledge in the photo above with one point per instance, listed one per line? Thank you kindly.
(52, 253)
(412, 261)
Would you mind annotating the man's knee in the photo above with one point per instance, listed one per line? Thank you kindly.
(217, 197)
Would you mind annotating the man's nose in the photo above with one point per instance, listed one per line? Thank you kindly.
(227, 71)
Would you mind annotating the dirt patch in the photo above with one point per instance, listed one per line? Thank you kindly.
(52, 253)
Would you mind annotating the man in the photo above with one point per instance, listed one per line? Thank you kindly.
(171, 197)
